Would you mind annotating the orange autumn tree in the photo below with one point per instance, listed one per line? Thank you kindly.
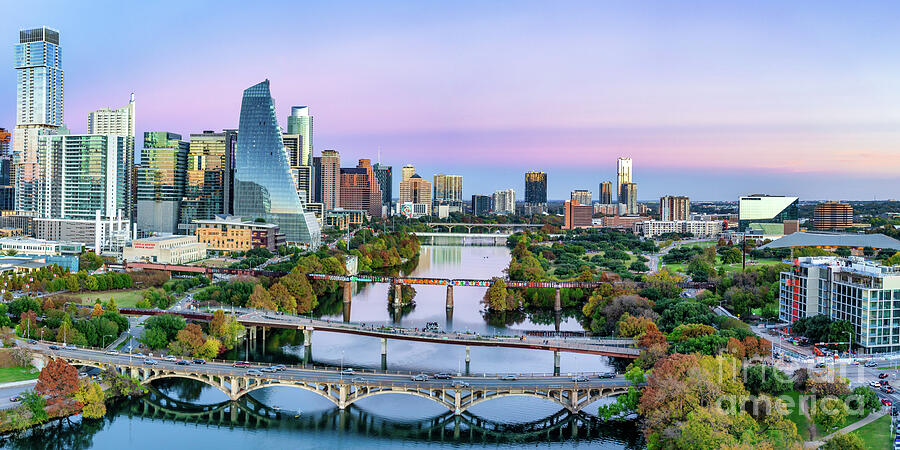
(58, 382)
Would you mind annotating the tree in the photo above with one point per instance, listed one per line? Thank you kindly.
(830, 412)
(632, 304)
(684, 312)
(763, 379)
(638, 266)
(498, 298)
(631, 326)
(92, 397)
(28, 323)
(169, 324)
(154, 338)
(282, 299)
(628, 403)
(225, 328)
(210, 349)
(843, 252)
(189, 340)
(731, 256)
(844, 441)
(58, 382)
(260, 299)
(97, 311)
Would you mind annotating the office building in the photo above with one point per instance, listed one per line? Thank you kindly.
(119, 122)
(481, 204)
(622, 222)
(623, 177)
(106, 236)
(7, 176)
(301, 123)
(39, 106)
(209, 182)
(628, 204)
(504, 202)
(22, 246)
(81, 174)
(607, 209)
(168, 249)
(674, 208)
(408, 171)
(414, 191)
(448, 190)
(696, 228)
(385, 177)
(11, 220)
(832, 215)
(303, 182)
(263, 186)
(577, 215)
(328, 179)
(161, 181)
(862, 292)
(769, 214)
(535, 193)
(293, 145)
(581, 196)
(359, 189)
(231, 234)
(606, 197)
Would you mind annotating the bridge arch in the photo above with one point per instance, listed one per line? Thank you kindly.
(371, 393)
(304, 387)
(210, 382)
(499, 394)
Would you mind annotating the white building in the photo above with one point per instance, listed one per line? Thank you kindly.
(413, 210)
(107, 236)
(169, 249)
(504, 202)
(30, 246)
(119, 122)
(698, 228)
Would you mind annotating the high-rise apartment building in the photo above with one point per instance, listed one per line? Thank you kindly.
(581, 196)
(623, 177)
(119, 122)
(504, 202)
(293, 145)
(448, 189)
(833, 215)
(301, 123)
(408, 171)
(384, 175)
(209, 182)
(481, 204)
(263, 186)
(577, 215)
(161, 182)
(415, 190)
(80, 175)
(328, 179)
(628, 203)
(7, 191)
(606, 197)
(359, 189)
(301, 173)
(674, 208)
(39, 106)
(535, 193)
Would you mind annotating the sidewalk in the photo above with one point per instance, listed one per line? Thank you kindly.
(849, 428)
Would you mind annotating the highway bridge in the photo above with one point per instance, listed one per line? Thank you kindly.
(512, 227)
(343, 389)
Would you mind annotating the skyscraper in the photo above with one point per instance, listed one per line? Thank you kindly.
(161, 181)
(629, 198)
(263, 187)
(328, 179)
(416, 190)
(504, 202)
(39, 106)
(535, 193)
(674, 208)
(208, 187)
(407, 171)
(301, 123)
(581, 196)
(293, 145)
(606, 193)
(448, 189)
(623, 176)
(833, 215)
(120, 122)
(481, 204)
(7, 191)
(81, 174)
(359, 189)
(385, 176)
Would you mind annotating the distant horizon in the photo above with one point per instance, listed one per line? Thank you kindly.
(779, 99)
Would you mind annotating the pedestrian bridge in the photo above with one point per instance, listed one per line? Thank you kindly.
(343, 389)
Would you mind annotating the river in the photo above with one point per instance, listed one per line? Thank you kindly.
(187, 413)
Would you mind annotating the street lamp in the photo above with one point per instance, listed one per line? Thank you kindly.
(104, 339)
(342, 365)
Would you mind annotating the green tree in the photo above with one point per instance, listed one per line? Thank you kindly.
(731, 256)
(628, 403)
(830, 412)
(498, 298)
(763, 379)
(169, 324)
(92, 398)
(844, 441)
(154, 338)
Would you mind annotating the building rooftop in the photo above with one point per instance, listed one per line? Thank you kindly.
(234, 220)
(807, 239)
(163, 238)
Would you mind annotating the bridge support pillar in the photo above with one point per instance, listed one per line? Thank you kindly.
(449, 296)
(384, 346)
(398, 294)
(342, 393)
(557, 306)
(347, 292)
(467, 355)
(458, 403)
(234, 382)
(307, 339)
(556, 362)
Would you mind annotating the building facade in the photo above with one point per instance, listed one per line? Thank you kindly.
(7, 174)
(577, 215)
(780, 211)
(606, 197)
(119, 122)
(106, 236)
(39, 247)
(623, 177)
(504, 202)
(385, 177)
(535, 193)
(161, 181)
(448, 190)
(832, 215)
(481, 204)
(407, 172)
(300, 122)
(170, 249)
(263, 186)
(583, 197)
(414, 191)
(697, 228)
(39, 107)
(328, 179)
(674, 208)
(231, 234)
(359, 189)
(209, 181)
(628, 205)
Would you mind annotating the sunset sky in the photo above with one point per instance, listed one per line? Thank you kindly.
(710, 99)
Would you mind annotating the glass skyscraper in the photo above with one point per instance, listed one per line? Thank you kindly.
(263, 186)
(301, 123)
(160, 178)
(208, 184)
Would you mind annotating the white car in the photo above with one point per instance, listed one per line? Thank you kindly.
(170, 358)
(419, 377)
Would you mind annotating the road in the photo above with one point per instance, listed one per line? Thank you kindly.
(9, 392)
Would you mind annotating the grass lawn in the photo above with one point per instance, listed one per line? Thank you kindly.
(877, 435)
(795, 414)
(726, 267)
(10, 374)
(701, 244)
(124, 299)
(889, 367)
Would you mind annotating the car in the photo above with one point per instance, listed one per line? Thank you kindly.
(32, 341)
(240, 364)
(443, 376)
(170, 358)
(894, 413)
(54, 347)
(150, 362)
(419, 377)
(870, 364)
(885, 383)
(607, 375)
(460, 384)
(509, 377)
(268, 370)
(787, 359)
(358, 379)
(279, 367)
(579, 378)
(182, 362)
(348, 371)
(855, 362)
(71, 347)
(820, 365)
(112, 352)
(885, 402)
(875, 384)
(882, 375)
(887, 389)
(254, 372)
(199, 361)
(15, 398)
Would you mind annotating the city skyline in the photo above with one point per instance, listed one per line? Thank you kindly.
(689, 133)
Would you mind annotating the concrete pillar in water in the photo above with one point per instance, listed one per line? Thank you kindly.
(556, 362)
(384, 346)
(307, 337)
(346, 311)
(398, 294)
(449, 296)
(347, 292)
(558, 305)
